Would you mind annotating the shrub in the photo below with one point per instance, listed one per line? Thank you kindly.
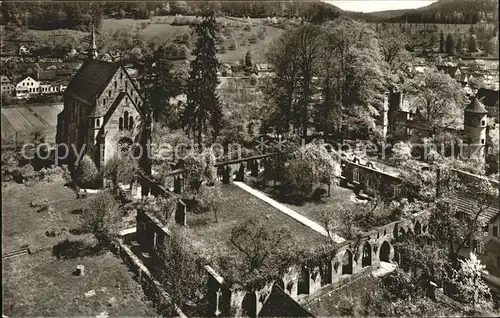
(262, 34)
(254, 80)
(10, 165)
(101, 217)
(222, 50)
(243, 43)
(39, 203)
(27, 172)
(86, 173)
(232, 45)
(46, 173)
(253, 39)
(247, 27)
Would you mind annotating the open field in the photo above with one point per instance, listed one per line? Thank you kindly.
(22, 224)
(160, 30)
(237, 207)
(25, 119)
(42, 284)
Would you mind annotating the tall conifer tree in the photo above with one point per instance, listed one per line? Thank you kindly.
(203, 107)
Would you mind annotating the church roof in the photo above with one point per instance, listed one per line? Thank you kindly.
(91, 79)
(476, 107)
(279, 304)
(488, 97)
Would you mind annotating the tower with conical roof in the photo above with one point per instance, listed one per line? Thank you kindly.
(475, 119)
(92, 51)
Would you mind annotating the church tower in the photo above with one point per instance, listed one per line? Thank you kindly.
(92, 51)
(475, 120)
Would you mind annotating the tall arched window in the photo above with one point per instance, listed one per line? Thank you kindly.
(120, 123)
(131, 123)
(125, 119)
(116, 84)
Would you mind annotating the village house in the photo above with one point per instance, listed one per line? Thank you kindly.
(7, 86)
(103, 110)
(27, 87)
(264, 69)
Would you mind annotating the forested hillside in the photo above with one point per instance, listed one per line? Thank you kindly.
(450, 11)
(78, 15)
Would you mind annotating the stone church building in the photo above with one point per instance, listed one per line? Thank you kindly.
(103, 111)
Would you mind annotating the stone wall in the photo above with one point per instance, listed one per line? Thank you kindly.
(303, 282)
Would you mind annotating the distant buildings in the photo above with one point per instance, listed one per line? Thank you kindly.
(7, 86)
(30, 87)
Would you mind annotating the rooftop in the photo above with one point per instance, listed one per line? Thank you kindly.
(91, 79)
(476, 107)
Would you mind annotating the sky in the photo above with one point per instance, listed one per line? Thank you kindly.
(372, 6)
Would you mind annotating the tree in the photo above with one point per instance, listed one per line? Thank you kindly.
(471, 286)
(401, 152)
(393, 44)
(101, 217)
(160, 207)
(472, 44)
(490, 47)
(450, 44)
(296, 57)
(460, 43)
(309, 166)
(181, 273)
(452, 225)
(211, 197)
(425, 258)
(248, 60)
(439, 98)
(158, 82)
(120, 171)
(260, 245)
(199, 170)
(202, 100)
(441, 42)
(86, 173)
(353, 76)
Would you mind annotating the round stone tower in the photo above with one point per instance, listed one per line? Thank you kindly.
(475, 119)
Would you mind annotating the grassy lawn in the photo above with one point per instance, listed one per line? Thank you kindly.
(42, 285)
(22, 224)
(238, 206)
(312, 208)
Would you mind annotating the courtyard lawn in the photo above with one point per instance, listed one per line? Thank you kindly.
(311, 208)
(44, 286)
(209, 237)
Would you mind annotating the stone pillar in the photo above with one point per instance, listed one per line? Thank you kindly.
(226, 175)
(255, 168)
(177, 185)
(240, 175)
(180, 213)
(145, 188)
